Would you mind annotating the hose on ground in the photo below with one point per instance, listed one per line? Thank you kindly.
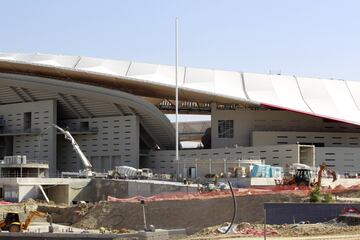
(235, 207)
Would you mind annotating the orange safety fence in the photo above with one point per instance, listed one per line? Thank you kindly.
(213, 194)
(266, 190)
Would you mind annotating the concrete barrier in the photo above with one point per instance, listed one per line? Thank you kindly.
(63, 236)
(160, 234)
(281, 213)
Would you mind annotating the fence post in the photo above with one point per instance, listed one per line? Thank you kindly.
(184, 170)
(196, 168)
(210, 166)
(264, 223)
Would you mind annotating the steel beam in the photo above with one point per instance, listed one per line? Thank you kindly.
(69, 105)
(82, 106)
(28, 94)
(118, 108)
(145, 128)
(17, 93)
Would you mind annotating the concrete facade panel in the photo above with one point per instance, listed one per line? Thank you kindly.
(116, 141)
(27, 139)
(327, 139)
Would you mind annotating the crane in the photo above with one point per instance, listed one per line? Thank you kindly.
(86, 172)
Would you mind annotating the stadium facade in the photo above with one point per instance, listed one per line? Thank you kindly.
(116, 112)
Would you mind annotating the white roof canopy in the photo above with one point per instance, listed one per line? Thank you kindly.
(333, 99)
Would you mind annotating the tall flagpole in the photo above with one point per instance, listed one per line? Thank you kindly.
(177, 96)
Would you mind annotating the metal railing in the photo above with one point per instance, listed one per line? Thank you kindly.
(19, 175)
(20, 131)
(81, 129)
(28, 161)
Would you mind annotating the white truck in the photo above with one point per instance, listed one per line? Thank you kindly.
(126, 172)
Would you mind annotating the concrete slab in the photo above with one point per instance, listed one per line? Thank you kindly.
(157, 235)
(43, 227)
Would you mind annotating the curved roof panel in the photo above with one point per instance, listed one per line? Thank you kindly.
(275, 90)
(354, 88)
(224, 79)
(330, 98)
(333, 99)
(103, 66)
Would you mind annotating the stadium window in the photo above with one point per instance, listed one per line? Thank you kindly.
(330, 160)
(226, 128)
(336, 137)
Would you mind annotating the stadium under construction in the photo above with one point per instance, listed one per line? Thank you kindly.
(115, 110)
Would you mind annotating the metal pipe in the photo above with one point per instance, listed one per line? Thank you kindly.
(76, 147)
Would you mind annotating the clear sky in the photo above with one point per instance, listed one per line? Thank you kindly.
(308, 38)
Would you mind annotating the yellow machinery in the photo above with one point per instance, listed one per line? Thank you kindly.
(12, 222)
(302, 177)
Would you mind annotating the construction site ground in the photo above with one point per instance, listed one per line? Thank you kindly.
(286, 231)
(200, 214)
(321, 237)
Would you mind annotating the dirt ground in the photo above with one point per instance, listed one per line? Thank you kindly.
(286, 230)
(193, 215)
(350, 194)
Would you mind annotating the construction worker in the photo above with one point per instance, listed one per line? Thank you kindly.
(102, 230)
(25, 208)
(215, 179)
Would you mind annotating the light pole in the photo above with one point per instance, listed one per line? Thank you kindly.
(176, 98)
